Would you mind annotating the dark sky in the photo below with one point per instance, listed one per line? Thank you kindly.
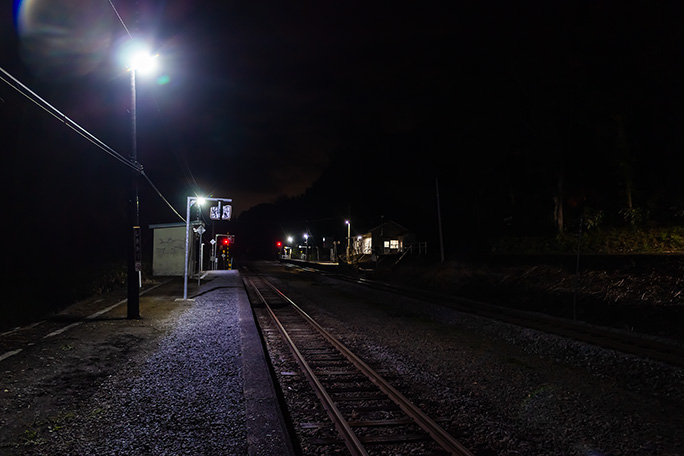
(251, 102)
(256, 100)
(250, 99)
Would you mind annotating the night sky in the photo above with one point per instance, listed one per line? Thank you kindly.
(366, 103)
(250, 101)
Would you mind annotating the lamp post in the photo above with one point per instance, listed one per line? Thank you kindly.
(306, 243)
(200, 246)
(133, 276)
(137, 60)
(191, 201)
(348, 237)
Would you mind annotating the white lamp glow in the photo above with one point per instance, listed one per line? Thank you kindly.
(135, 55)
(143, 62)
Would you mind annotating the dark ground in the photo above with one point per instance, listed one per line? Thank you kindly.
(643, 293)
(637, 293)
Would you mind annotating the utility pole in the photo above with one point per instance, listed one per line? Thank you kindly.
(439, 222)
(134, 261)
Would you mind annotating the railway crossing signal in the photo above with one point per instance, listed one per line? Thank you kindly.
(220, 211)
(223, 211)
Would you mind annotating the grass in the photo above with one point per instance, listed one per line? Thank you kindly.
(30, 437)
(33, 436)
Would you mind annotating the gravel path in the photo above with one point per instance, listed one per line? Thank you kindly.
(187, 398)
(189, 378)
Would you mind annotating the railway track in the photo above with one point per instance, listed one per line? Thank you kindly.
(368, 414)
(635, 344)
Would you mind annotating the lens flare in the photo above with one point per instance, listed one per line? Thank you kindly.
(163, 80)
(63, 39)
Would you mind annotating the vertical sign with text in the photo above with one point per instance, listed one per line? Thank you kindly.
(137, 249)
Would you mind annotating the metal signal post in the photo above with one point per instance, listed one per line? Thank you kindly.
(223, 213)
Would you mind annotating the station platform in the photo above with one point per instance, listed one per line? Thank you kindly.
(188, 377)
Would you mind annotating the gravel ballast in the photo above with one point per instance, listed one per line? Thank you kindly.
(183, 380)
(507, 390)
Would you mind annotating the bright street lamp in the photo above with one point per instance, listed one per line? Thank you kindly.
(348, 237)
(135, 55)
(143, 62)
(136, 60)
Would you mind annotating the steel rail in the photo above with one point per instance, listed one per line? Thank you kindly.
(350, 439)
(441, 436)
(669, 352)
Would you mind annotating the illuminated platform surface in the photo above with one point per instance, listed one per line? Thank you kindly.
(190, 375)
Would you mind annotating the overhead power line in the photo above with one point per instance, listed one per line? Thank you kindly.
(120, 18)
(47, 107)
(185, 168)
(154, 187)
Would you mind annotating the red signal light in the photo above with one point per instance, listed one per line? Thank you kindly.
(279, 244)
(226, 241)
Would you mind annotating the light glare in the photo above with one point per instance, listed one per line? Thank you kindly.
(143, 62)
(135, 55)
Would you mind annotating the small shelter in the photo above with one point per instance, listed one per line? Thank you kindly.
(168, 251)
(386, 239)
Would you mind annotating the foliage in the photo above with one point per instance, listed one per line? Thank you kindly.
(605, 241)
(634, 216)
(592, 218)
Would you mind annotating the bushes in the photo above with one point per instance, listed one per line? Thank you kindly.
(33, 296)
(605, 241)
